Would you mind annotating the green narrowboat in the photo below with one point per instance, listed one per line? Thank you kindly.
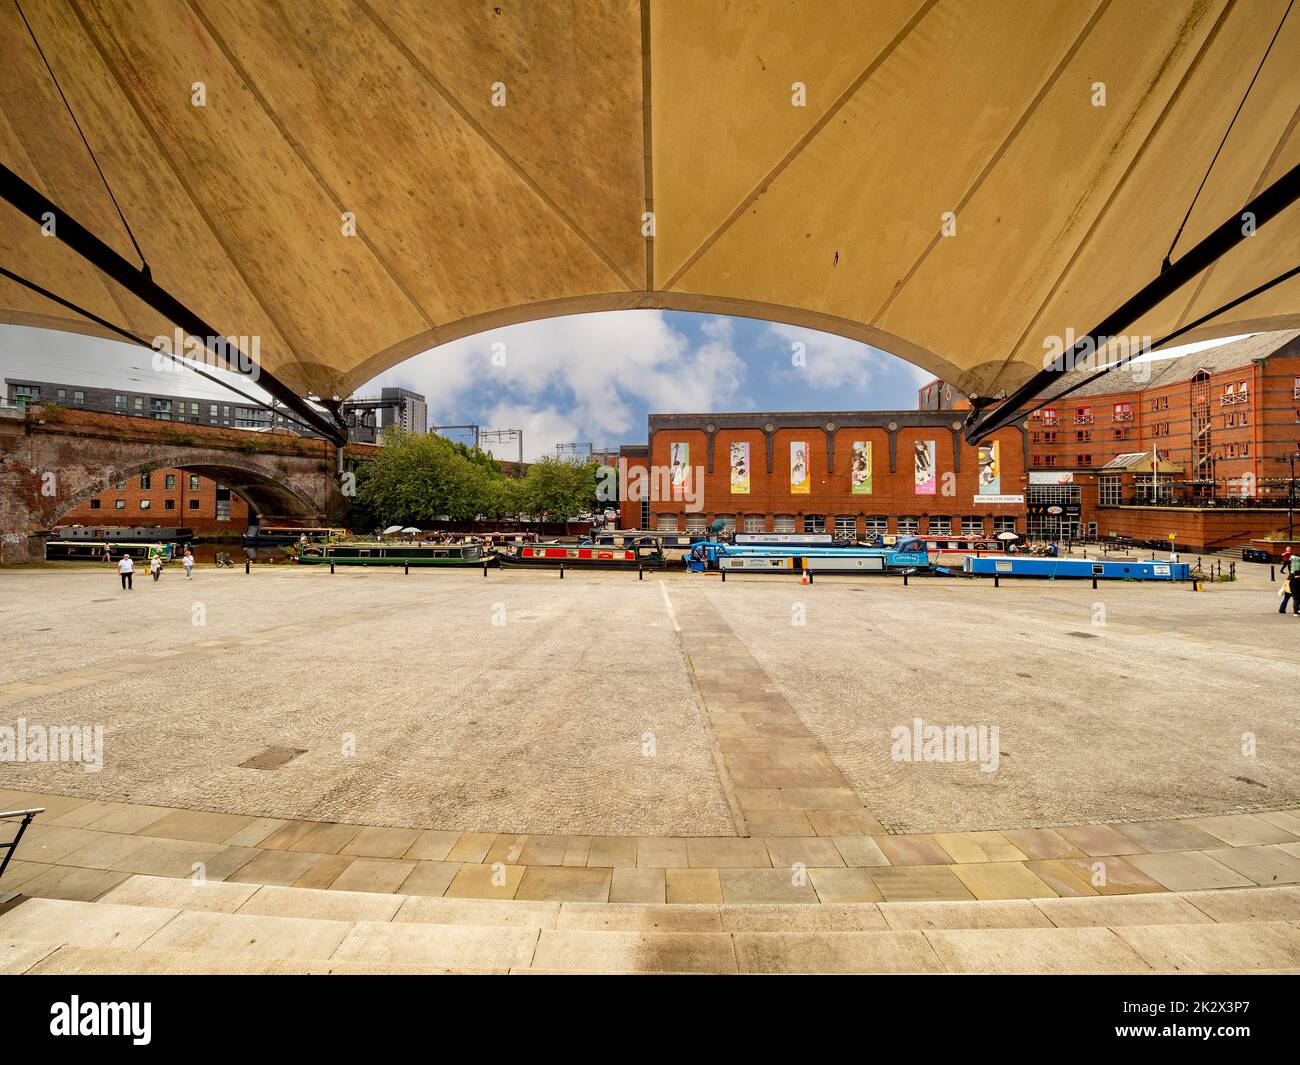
(101, 551)
(395, 554)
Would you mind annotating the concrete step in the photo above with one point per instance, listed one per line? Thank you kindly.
(151, 924)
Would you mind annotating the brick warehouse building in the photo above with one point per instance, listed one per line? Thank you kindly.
(877, 472)
(1225, 422)
(166, 498)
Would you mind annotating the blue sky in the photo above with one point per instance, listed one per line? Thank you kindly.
(595, 377)
(582, 378)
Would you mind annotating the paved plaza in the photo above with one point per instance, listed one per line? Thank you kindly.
(600, 704)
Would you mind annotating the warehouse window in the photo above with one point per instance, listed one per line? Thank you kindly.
(119, 504)
(814, 523)
(846, 525)
(144, 504)
(755, 523)
(783, 523)
(170, 482)
(144, 482)
(193, 504)
(728, 522)
(909, 526)
(1110, 491)
(972, 525)
(94, 504)
(194, 482)
(877, 525)
(696, 523)
(1001, 525)
(940, 525)
(666, 523)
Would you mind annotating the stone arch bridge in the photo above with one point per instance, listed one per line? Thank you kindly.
(54, 459)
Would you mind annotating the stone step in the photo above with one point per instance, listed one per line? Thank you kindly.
(1112, 935)
(1236, 904)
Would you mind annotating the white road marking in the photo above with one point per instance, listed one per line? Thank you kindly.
(672, 616)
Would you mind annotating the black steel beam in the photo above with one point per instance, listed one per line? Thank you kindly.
(140, 283)
(1264, 207)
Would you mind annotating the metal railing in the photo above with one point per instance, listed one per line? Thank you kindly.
(12, 845)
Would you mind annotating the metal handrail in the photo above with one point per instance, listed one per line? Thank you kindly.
(12, 845)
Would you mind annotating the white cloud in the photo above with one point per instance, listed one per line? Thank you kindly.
(835, 362)
(592, 372)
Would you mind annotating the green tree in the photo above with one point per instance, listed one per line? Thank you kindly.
(417, 477)
(558, 490)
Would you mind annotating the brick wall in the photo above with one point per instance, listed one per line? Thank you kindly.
(182, 498)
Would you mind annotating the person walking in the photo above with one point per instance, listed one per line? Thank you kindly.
(124, 569)
(188, 563)
(1285, 590)
(1291, 590)
(155, 566)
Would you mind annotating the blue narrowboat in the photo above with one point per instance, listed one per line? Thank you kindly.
(711, 555)
(1077, 568)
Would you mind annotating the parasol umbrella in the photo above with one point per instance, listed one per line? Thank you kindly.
(1008, 536)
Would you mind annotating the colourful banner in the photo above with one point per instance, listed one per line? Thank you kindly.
(679, 467)
(740, 468)
(860, 468)
(990, 470)
(800, 480)
(923, 467)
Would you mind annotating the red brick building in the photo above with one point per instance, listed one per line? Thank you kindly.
(166, 498)
(877, 472)
(1225, 423)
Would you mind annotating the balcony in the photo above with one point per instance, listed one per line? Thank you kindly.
(1122, 416)
(1229, 399)
(1083, 419)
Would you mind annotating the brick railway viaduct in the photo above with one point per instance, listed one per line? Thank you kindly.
(53, 459)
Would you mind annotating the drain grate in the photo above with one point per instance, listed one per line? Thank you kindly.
(272, 758)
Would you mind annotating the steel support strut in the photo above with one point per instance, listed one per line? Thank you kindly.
(1263, 208)
(140, 283)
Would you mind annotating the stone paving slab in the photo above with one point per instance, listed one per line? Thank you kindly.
(827, 869)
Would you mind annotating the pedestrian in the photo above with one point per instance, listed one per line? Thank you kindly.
(1285, 591)
(155, 566)
(1291, 587)
(188, 563)
(125, 568)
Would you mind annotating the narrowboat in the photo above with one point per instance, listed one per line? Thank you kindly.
(287, 535)
(394, 554)
(102, 550)
(711, 555)
(1077, 568)
(585, 556)
(674, 546)
(116, 534)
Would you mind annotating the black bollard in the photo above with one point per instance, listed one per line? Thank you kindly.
(904, 578)
(485, 568)
(561, 571)
(246, 566)
(1272, 573)
(406, 567)
(997, 581)
(1094, 583)
(640, 572)
(724, 574)
(810, 576)
(331, 565)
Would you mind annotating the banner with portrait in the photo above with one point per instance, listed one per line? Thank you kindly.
(923, 467)
(740, 468)
(860, 468)
(679, 467)
(990, 469)
(800, 478)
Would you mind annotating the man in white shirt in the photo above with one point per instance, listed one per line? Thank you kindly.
(188, 563)
(125, 568)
